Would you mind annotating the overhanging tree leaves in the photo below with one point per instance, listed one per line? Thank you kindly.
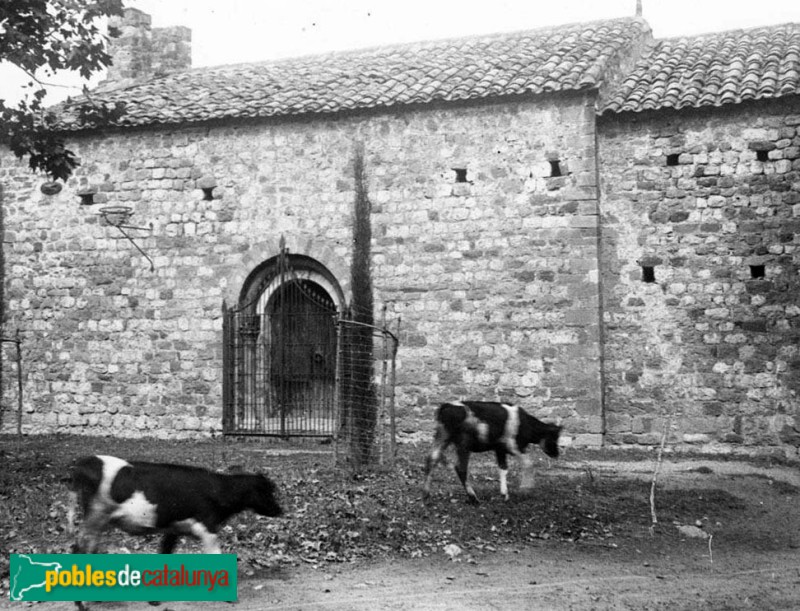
(42, 37)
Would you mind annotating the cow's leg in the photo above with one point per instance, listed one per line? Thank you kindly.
(94, 523)
(462, 470)
(168, 543)
(72, 510)
(502, 467)
(526, 477)
(210, 543)
(434, 458)
(88, 538)
(208, 539)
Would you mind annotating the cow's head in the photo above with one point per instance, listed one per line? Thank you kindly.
(262, 497)
(549, 441)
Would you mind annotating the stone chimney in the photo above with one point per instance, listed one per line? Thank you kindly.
(141, 52)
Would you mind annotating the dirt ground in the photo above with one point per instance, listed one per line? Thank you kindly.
(744, 558)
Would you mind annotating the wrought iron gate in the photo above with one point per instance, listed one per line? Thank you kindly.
(279, 359)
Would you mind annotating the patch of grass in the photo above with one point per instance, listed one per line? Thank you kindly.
(335, 516)
(785, 488)
(779, 486)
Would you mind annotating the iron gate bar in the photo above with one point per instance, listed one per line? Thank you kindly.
(289, 361)
(279, 359)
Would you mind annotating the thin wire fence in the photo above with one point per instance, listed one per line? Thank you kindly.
(11, 375)
(366, 434)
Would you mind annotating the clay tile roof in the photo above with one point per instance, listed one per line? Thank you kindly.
(711, 70)
(563, 58)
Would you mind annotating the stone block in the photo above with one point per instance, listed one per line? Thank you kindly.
(582, 317)
(584, 440)
(696, 438)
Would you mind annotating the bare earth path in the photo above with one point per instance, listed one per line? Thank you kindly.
(536, 578)
(542, 578)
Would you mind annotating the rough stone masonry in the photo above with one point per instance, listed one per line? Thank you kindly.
(709, 201)
(495, 277)
(626, 269)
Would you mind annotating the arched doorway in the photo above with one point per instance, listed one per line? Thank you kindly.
(280, 347)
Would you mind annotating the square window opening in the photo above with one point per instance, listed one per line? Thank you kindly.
(672, 159)
(762, 155)
(461, 174)
(555, 168)
(757, 271)
(648, 274)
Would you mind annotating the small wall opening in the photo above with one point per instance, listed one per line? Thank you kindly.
(208, 194)
(757, 271)
(555, 168)
(461, 174)
(87, 199)
(672, 159)
(648, 274)
(762, 155)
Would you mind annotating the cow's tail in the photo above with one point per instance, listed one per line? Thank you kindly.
(438, 433)
(72, 511)
(83, 482)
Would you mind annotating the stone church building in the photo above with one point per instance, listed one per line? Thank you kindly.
(597, 225)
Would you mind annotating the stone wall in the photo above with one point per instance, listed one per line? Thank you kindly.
(708, 201)
(489, 260)
(496, 278)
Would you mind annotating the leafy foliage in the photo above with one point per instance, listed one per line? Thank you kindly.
(42, 37)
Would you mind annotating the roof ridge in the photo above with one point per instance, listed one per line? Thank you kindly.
(713, 69)
(777, 26)
(421, 44)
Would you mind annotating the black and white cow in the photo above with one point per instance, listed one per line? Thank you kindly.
(481, 426)
(176, 500)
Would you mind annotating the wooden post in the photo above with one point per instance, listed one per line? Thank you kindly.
(227, 387)
(19, 383)
(382, 410)
(2, 389)
(392, 382)
(337, 390)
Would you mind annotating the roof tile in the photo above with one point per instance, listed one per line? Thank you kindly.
(728, 67)
(707, 70)
(564, 58)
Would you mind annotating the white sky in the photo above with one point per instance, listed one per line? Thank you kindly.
(233, 31)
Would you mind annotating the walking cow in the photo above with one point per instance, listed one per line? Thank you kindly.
(481, 426)
(174, 500)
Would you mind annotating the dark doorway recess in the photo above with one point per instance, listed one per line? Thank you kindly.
(280, 351)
